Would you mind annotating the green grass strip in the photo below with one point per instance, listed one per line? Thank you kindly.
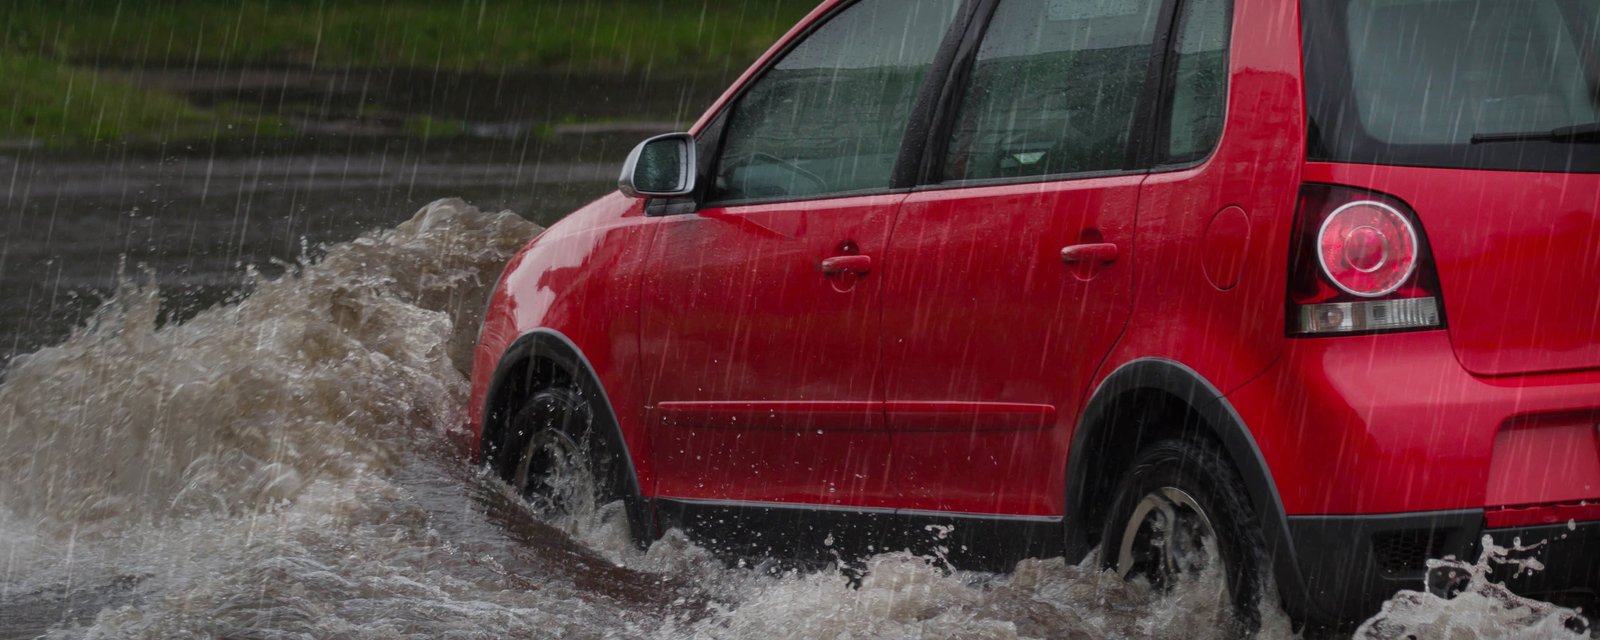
(59, 106)
(458, 35)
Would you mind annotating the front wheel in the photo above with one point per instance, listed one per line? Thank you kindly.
(1183, 514)
(554, 457)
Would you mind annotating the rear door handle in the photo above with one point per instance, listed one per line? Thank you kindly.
(840, 265)
(1093, 254)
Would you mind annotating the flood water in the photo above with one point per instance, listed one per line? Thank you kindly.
(232, 409)
(70, 227)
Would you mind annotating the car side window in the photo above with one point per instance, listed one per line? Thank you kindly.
(830, 116)
(1054, 89)
(1200, 89)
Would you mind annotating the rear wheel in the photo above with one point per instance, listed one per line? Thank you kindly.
(1183, 514)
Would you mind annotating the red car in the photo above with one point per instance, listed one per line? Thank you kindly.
(1315, 285)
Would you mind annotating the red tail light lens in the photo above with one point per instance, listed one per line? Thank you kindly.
(1359, 265)
(1367, 249)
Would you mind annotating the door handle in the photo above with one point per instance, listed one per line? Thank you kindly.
(840, 265)
(1098, 253)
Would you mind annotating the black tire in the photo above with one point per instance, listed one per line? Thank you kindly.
(554, 455)
(1194, 485)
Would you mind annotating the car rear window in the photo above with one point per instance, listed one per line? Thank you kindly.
(1411, 82)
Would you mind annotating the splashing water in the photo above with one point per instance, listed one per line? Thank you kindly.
(282, 467)
(1482, 608)
(310, 377)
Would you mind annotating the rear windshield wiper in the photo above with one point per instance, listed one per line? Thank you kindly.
(1573, 134)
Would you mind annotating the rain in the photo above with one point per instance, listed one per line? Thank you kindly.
(260, 262)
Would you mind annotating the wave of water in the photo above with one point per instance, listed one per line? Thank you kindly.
(282, 467)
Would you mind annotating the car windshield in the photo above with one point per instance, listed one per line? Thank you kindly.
(1410, 82)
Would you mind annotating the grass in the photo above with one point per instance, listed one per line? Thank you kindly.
(62, 106)
(49, 50)
(425, 126)
(458, 35)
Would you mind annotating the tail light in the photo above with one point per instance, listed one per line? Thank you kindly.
(1359, 264)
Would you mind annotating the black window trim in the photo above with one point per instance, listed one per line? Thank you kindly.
(951, 87)
(1169, 84)
(902, 177)
(1155, 104)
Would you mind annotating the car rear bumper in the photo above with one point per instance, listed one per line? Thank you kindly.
(1352, 564)
(1394, 424)
(1385, 453)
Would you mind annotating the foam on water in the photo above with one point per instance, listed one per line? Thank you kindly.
(1483, 608)
(312, 376)
(279, 467)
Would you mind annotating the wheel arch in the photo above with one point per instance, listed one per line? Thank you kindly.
(1103, 448)
(543, 352)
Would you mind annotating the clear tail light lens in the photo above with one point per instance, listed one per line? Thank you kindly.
(1359, 265)
(1373, 315)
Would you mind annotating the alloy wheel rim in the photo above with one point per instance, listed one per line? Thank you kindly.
(1168, 537)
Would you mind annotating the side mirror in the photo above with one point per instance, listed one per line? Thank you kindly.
(661, 167)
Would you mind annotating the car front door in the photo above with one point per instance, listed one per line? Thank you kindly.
(761, 311)
(1009, 276)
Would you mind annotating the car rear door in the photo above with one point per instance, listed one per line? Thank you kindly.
(1009, 278)
(761, 311)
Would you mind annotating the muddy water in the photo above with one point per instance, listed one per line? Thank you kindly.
(286, 465)
(68, 226)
